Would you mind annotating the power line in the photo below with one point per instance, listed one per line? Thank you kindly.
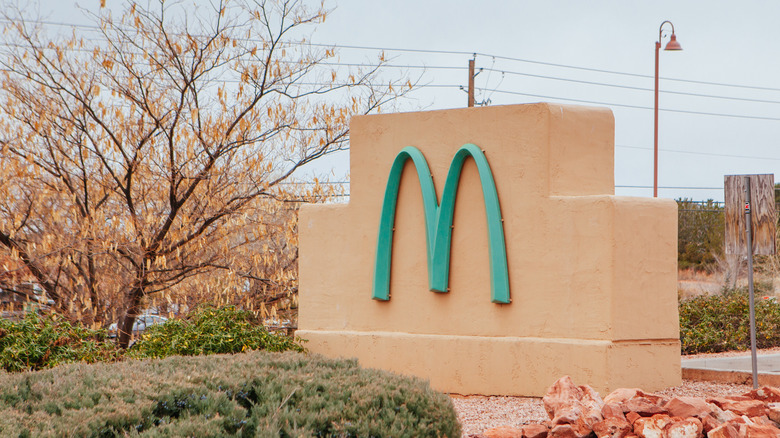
(314, 183)
(668, 187)
(409, 66)
(628, 87)
(616, 186)
(738, 116)
(412, 66)
(714, 154)
(629, 74)
(467, 53)
(551, 64)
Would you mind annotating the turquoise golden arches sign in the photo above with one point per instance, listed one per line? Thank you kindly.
(438, 223)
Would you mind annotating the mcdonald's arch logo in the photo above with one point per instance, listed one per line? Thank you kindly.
(438, 223)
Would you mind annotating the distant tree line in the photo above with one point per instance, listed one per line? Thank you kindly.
(701, 233)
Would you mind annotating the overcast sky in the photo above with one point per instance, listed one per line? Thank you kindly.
(720, 96)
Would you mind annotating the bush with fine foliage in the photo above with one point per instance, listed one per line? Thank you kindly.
(39, 341)
(211, 330)
(710, 324)
(257, 394)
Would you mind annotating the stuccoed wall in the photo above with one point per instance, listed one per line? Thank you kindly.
(592, 275)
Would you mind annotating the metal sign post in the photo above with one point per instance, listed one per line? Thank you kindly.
(750, 230)
(749, 241)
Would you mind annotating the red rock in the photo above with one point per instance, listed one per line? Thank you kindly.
(561, 393)
(766, 394)
(761, 431)
(773, 411)
(726, 430)
(592, 405)
(684, 428)
(612, 410)
(565, 431)
(763, 420)
(535, 431)
(751, 408)
(567, 414)
(655, 399)
(621, 395)
(709, 422)
(642, 406)
(578, 406)
(688, 407)
(584, 426)
(632, 417)
(652, 427)
(612, 428)
(503, 432)
(723, 416)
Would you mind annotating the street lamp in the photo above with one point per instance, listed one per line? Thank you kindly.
(671, 45)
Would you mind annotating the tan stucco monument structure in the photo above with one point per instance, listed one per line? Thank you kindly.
(549, 273)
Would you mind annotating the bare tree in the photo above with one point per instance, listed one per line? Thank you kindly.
(145, 158)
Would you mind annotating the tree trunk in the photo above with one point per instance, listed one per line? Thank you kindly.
(125, 329)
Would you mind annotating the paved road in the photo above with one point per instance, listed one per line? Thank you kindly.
(767, 363)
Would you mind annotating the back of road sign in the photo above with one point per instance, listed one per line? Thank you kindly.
(762, 213)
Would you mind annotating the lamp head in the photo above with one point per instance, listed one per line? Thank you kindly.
(673, 44)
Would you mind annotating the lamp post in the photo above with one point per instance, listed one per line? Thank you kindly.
(671, 45)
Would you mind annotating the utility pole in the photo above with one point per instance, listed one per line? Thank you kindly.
(471, 82)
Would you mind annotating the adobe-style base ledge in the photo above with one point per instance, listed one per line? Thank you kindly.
(506, 365)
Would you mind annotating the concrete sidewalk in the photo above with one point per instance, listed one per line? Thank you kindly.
(736, 369)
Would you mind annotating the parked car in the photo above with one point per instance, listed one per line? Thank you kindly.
(142, 322)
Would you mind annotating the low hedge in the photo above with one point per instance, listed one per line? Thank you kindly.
(256, 394)
(40, 341)
(211, 330)
(710, 324)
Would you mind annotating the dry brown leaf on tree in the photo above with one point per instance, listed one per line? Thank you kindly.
(144, 166)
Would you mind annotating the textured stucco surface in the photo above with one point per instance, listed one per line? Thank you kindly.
(592, 275)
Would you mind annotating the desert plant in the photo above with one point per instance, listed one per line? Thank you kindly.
(721, 322)
(211, 330)
(256, 394)
(39, 341)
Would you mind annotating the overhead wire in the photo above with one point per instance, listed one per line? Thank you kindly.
(468, 53)
(629, 87)
(492, 90)
(496, 90)
(712, 154)
(623, 105)
(668, 187)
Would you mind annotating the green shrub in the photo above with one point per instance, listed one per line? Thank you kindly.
(722, 322)
(210, 330)
(257, 394)
(39, 342)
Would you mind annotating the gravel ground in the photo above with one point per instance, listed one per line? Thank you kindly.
(479, 413)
